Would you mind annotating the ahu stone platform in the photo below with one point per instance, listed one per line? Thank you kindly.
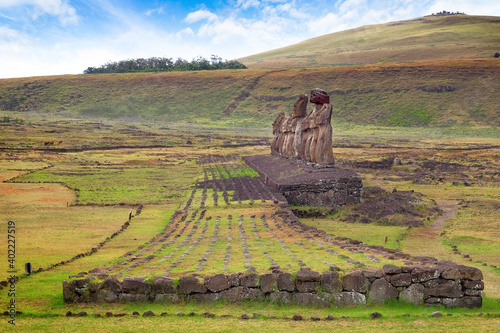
(303, 183)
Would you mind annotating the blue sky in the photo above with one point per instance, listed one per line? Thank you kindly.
(50, 37)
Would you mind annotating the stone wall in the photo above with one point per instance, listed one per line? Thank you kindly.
(445, 284)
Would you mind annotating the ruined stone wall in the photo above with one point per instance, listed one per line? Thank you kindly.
(445, 284)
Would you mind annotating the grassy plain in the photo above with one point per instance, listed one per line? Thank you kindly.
(52, 226)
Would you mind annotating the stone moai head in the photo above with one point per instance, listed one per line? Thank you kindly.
(300, 107)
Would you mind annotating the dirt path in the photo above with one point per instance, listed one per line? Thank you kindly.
(449, 209)
(426, 241)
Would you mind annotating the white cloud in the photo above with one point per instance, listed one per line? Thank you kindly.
(245, 4)
(59, 8)
(159, 10)
(200, 15)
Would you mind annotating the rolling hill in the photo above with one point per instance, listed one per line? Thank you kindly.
(443, 92)
(424, 38)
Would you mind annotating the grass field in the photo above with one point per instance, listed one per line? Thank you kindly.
(39, 192)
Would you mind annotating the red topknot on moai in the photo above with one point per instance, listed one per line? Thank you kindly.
(307, 136)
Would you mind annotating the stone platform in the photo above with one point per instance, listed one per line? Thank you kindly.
(303, 183)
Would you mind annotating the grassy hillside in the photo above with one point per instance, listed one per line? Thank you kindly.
(428, 93)
(425, 38)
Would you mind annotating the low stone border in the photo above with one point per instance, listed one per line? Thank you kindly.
(445, 283)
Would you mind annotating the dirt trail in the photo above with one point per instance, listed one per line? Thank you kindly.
(426, 241)
(449, 209)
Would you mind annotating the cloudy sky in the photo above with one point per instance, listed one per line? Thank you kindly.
(48, 37)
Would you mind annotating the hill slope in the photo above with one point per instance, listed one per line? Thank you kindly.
(428, 93)
(425, 38)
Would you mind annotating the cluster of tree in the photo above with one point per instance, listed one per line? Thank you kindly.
(444, 12)
(156, 64)
(496, 55)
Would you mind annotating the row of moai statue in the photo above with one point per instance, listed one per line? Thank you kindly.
(303, 135)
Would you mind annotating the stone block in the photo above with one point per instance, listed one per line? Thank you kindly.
(238, 294)
(217, 283)
(413, 294)
(281, 297)
(330, 282)
(234, 280)
(285, 282)
(268, 282)
(374, 273)
(163, 285)
(349, 298)
(382, 291)
(190, 285)
(307, 286)
(356, 282)
(250, 280)
(422, 274)
(401, 280)
(477, 285)
(443, 288)
(463, 273)
(391, 269)
(111, 284)
(136, 286)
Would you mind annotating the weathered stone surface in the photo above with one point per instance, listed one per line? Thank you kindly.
(268, 282)
(163, 285)
(463, 273)
(319, 96)
(282, 297)
(308, 276)
(217, 283)
(413, 294)
(349, 298)
(285, 282)
(111, 284)
(391, 269)
(477, 285)
(130, 298)
(234, 280)
(250, 280)
(401, 280)
(382, 291)
(324, 299)
(189, 285)
(355, 281)
(305, 136)
(422, 274)
(105, 296)
(238, 294)
(472, 292)
(471, 302)
(136, 286)
(443, 288)
(300, 107)
(330, 282)
(207, 297)
(166, 298)
(307, 287)
(371, 274)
